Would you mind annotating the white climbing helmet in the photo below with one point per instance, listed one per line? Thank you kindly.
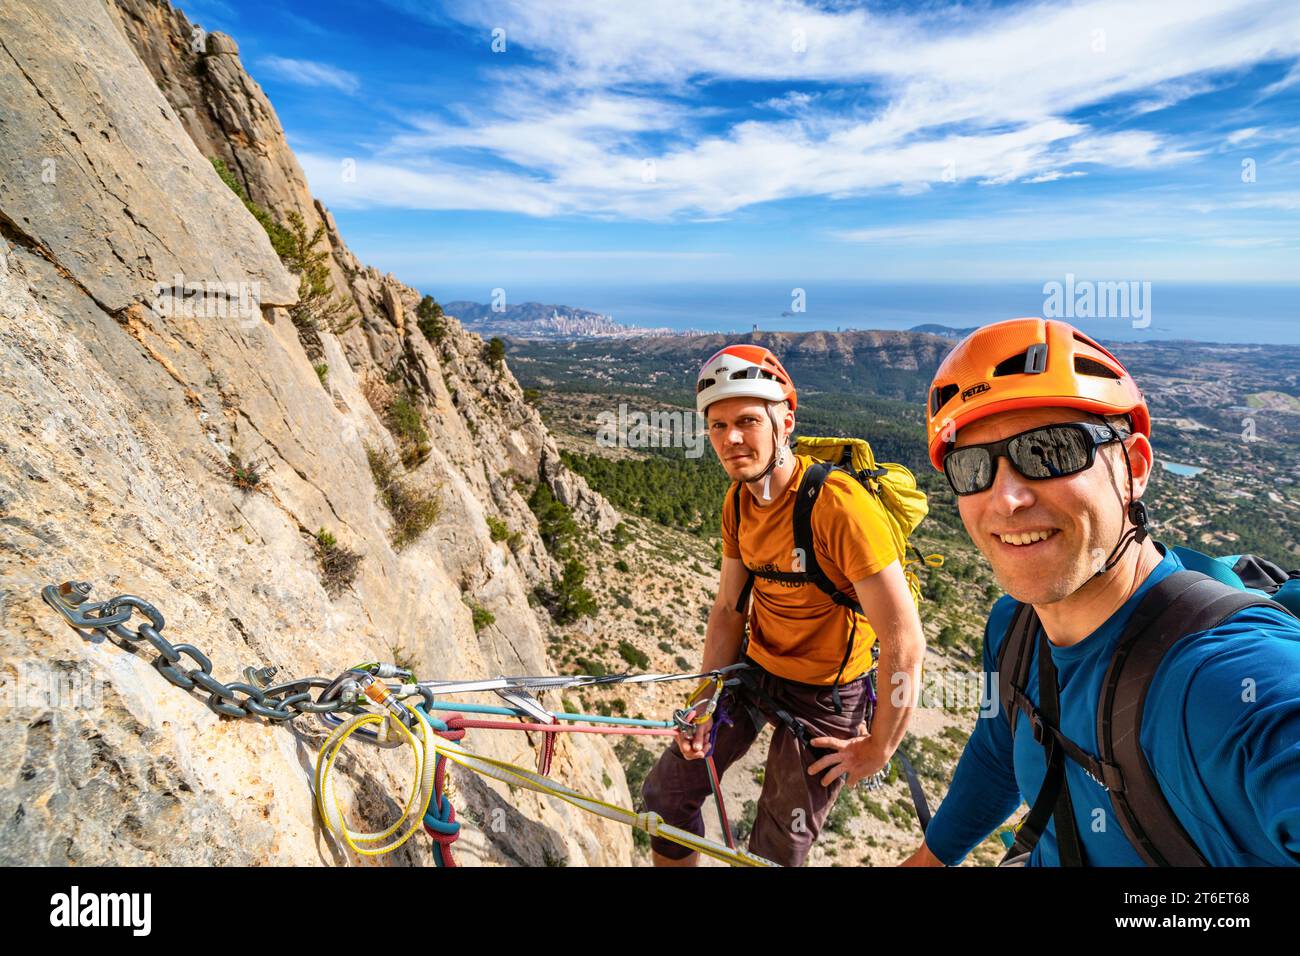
(743, 371)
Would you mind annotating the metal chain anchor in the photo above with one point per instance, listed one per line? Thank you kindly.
(255, 696)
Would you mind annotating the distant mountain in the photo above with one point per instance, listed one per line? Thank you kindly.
(945, 330)
(539, 320)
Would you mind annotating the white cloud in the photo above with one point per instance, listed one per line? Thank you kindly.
(600, 129)
(1241, 135)
(1149, 219)
(310, 73)
(1054, 175)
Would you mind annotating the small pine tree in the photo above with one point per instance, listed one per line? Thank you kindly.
(572, 599)
(429, 319)
(318, 307)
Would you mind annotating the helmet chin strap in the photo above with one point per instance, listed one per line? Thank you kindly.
(1137, 514)
(778, 456)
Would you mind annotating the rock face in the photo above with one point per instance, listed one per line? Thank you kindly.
(122, 399)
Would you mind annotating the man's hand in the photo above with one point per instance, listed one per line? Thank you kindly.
(695, 746)
(922, 857)
(855, 758)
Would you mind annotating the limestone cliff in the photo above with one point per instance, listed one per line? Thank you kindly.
(125, 401)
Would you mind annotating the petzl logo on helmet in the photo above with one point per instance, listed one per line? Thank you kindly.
(974, 390)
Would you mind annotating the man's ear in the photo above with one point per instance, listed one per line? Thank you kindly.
(1141, 460)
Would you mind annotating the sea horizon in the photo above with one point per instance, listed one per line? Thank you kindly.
(1228, 313)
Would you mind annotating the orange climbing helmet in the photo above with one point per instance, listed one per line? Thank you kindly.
(745, 371)
(1027, 363)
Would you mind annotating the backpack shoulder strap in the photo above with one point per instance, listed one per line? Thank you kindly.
(1014, 658)
(814, 477)
(1184, 603)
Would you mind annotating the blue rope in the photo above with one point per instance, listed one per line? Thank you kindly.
(438, 818)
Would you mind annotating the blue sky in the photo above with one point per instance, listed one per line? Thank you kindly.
(675, 140)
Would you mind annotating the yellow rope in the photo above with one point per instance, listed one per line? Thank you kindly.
(327, 797)
(431, 744)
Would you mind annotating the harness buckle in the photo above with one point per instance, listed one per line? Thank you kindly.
(1038, 727)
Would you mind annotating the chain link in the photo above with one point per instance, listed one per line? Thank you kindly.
(276, 702)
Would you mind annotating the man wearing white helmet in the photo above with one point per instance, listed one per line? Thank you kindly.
(811, 653)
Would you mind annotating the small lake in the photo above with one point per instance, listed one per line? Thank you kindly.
(1187, 471)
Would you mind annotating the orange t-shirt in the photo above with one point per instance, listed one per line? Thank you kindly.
(795, 630)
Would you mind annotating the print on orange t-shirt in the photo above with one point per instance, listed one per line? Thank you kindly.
(796, 630)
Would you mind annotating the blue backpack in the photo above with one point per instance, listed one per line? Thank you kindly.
(1206, 593)
(1248, 572)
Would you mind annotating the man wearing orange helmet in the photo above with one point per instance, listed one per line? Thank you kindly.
(809, 651)
(1149, 714)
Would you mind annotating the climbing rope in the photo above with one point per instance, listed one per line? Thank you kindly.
(432, 740)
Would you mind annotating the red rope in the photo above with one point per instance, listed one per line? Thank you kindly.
(562, 728)
(544, 758)
(457, 724)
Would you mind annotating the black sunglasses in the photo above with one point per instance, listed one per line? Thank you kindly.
(1052, 451)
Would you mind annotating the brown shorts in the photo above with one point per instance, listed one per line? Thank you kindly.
(793, 805)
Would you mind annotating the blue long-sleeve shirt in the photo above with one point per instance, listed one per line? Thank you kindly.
(1221, 731)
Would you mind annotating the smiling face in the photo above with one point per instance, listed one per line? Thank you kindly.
(1046, 539)
(741, 434)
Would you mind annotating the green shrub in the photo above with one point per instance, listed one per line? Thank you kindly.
(481, 615)
(555, 521)
(497, 352)
(586, 665)
(949, 636)
(244, 475)
(745, 825)
(633, 655)
(413, 509)
(621, 565)
(900, 811)
(338, 565)
(497, 528)
(841, 815)
(407, 425)
(875, 809)
(571, 599)
(322, 369)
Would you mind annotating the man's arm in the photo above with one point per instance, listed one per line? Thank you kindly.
(722, 639)
(984, 792)
(1237, 694)
(887, 603)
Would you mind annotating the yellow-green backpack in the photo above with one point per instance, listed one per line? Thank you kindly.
(903, 504)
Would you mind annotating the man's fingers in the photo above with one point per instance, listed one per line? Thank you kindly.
(830, 760)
